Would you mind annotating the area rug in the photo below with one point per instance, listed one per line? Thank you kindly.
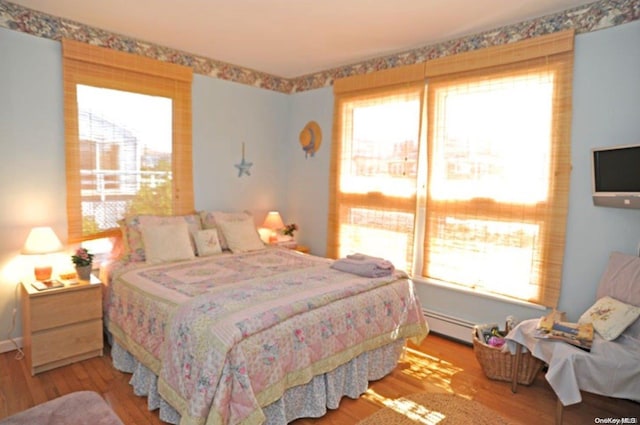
(434, 409)
(77, 408)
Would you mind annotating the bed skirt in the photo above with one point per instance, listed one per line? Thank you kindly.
(308, 400)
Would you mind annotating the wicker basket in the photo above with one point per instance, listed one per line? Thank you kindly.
(498, 365)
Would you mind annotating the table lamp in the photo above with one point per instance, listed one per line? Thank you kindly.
(42, 241)
(274, 222)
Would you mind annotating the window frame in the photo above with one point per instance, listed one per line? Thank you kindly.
(350, 91)
(102, 67)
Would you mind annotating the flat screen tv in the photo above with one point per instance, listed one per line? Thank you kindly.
(616, 176)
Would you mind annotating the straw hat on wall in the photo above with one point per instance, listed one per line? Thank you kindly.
(310, 138)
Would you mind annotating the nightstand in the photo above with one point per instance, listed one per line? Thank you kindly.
(302, 248)
(62, 325)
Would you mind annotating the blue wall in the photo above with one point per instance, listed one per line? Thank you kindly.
(606, 112)
(225, 115)
(307, 201)
(32, 176)
(606, 108)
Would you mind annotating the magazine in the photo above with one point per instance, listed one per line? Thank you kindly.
(49, 284)
(577, 334)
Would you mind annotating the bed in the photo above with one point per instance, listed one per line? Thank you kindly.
(263, 335)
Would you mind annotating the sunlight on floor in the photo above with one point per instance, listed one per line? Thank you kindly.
(412, 410)
(424, 367)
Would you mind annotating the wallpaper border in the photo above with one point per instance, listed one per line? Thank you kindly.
(591, 17)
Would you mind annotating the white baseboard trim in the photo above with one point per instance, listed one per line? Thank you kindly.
(452, 327)
(7, 345)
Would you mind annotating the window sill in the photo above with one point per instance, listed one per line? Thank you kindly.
(477, 292)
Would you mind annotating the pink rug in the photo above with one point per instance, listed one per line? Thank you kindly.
(78, 408)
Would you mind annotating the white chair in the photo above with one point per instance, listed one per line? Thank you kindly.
(612, 367)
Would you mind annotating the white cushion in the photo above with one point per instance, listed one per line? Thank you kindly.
(241, 235)
(167, 242)
(211, 220)
(207, 242)
(610, 317)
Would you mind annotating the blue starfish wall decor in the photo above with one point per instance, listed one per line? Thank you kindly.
(244, 166)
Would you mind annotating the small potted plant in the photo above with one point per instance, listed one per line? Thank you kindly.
(82, 260)
(289, 229)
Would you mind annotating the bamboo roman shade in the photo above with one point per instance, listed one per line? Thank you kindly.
(499, 163)
(374, 164)
(87, 191)
(495, 167)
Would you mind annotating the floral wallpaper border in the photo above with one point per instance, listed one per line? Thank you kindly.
(594, 16)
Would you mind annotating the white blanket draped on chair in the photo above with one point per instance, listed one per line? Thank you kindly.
(611, 368)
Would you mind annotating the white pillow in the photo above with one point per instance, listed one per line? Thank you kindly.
(167, 242)
(211, 220)
(610, 317)
(241, 235)
(207, 242)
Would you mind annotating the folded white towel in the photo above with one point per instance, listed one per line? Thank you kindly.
(364, 265)
(379, 261)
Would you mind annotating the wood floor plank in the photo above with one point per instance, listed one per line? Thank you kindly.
(437, 365)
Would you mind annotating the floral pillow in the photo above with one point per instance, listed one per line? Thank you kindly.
(610, 317)
(207, 242)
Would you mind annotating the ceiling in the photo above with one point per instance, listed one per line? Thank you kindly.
(291, 38)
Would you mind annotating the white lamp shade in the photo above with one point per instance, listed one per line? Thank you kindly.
(42, 240)
(273, 221)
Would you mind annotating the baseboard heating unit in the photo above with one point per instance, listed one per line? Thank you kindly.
(452, 327)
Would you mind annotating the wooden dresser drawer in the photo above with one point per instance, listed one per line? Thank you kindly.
(66, 342)
(63, 308)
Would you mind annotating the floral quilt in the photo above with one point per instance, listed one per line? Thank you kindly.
(229, 334)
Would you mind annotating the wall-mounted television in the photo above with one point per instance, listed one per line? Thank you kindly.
(616, 176)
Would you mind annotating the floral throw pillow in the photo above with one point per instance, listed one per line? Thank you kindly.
(207, 242)
(610, 317)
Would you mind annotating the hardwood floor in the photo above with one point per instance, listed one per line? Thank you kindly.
(438, 365)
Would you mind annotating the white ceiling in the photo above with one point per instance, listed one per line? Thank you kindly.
(290, 38)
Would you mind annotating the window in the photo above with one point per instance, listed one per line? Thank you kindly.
(128, 132)
(495, 175)
(376, 162)
(489, 179)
